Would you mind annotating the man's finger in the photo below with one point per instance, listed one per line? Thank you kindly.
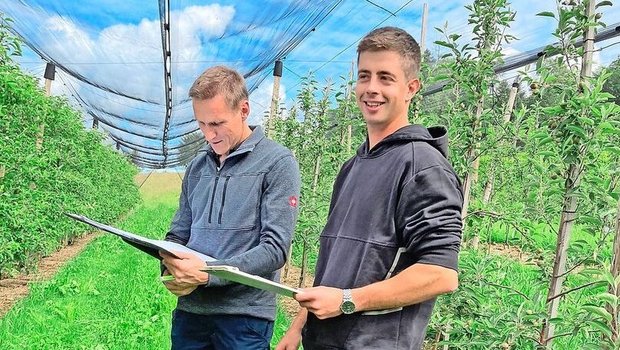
(302, 296)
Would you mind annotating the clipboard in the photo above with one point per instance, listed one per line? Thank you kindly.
(153, 246)
(233, 274)
(147, 245)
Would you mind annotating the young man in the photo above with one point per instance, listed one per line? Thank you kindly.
(391, 242)
(238, 204)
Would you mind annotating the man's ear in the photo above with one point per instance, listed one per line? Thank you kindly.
(413, 86)
(245, 109)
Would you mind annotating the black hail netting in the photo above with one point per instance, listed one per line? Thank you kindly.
(129, 63)
(143, 105)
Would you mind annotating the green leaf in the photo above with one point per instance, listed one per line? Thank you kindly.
(601, 326)
(444, 44)
(548, 153)
(604, 3)
(597, 310)
(553, 110)
(546, 14)
(577, 131)
(613, 149)
(545, 141)
(608, 298)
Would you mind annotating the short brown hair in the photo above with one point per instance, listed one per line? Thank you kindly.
(396, 40)
(220, 80)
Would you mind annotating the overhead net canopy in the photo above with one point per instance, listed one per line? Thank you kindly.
(143, 105)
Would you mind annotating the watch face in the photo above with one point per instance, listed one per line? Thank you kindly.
(347, 307)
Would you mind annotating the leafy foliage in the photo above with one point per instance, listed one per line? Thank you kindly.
(72, 172)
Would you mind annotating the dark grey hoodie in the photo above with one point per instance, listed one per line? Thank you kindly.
(393, 206)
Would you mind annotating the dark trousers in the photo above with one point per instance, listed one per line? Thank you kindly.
(219, 332)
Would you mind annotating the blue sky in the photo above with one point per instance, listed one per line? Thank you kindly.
(117, 43)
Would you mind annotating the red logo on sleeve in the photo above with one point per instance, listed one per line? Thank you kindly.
(292, 201)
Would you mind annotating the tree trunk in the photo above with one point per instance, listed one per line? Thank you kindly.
(287, 265)
(472, 174)
(559, 265)
(304, 262)
(512, 96)
(488, 188)
(304, 253)
(317, 171)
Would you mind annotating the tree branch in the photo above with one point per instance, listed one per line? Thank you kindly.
(574, 289)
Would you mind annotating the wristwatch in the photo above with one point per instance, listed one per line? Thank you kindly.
(348, 306)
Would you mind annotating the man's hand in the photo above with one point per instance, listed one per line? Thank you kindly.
(290, 341)
(324, 302)
(178, 289)
(292, 338)
(186, 272)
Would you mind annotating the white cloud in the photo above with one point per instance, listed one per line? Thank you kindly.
(127, 57)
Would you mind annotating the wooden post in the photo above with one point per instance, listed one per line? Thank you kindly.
(423, 34)
(488, 189)
(346, 135)
(569, 207)
(510, 105)
(49, 75)
(615, 271)
(567, 220)
(473, 157)
(307, 232)
(275, 97)
(588, 43)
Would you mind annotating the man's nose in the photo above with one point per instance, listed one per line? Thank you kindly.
(373, 86)
(210, 134)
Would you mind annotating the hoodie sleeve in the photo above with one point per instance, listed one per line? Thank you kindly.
(430, 210)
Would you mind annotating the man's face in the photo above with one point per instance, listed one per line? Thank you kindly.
(383, 91)
(222, 126)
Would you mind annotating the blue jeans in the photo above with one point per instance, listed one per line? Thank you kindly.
(219, 332)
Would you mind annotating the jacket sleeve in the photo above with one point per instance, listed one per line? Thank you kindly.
(430, 207)
(278, 215)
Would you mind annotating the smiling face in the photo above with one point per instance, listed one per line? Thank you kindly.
(223, 127)
(384, 91)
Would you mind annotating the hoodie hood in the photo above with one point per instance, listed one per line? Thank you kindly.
(436, 136)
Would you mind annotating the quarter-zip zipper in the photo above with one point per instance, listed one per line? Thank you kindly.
(219, 219)
(217, 178)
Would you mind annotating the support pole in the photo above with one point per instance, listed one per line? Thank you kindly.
(49, 75)
(423, 35)
(275, 97)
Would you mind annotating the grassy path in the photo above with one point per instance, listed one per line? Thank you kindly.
(108, 297)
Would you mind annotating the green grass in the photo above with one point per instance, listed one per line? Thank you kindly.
(109, 297)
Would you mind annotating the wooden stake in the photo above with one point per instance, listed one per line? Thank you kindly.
(275, 96)
(49, 75)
